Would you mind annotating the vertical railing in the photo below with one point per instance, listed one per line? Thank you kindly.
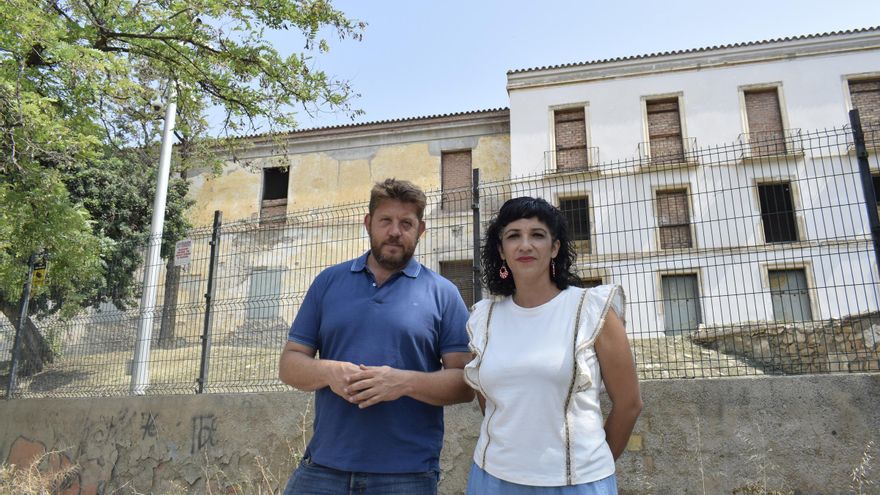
(870, 194)
(475, 207)
(209, 297)
(724, 209)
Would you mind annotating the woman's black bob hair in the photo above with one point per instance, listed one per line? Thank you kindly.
(513, 210)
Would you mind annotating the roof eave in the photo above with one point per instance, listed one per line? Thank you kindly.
(868, 39)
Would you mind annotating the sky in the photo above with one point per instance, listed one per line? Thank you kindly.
(421, 58)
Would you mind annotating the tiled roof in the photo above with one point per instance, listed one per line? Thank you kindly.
(697, 50)
(375, 122)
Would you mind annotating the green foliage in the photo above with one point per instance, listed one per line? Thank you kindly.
(79, 123)
(36, 213)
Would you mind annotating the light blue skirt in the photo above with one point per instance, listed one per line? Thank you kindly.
(482, 483)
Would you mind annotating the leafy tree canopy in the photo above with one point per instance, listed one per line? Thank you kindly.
(79, 120)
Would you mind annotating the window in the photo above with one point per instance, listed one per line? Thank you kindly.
(265, 286)
(460, 273)
(577, 216)
(274, 204)
(865, 96)
(681, 303)
(570, 128)
(777, 212)
(673, 219)
(455, 176)
(764, 116)
(664, 131)
(790, 296)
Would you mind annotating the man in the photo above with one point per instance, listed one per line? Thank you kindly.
(392, 342)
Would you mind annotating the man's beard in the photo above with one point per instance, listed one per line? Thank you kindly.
(392, 262)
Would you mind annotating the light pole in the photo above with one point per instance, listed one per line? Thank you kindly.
(140, 369)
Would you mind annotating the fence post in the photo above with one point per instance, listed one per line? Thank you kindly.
(475, 207)
(867, 182)
(209, 296)
(22, 318)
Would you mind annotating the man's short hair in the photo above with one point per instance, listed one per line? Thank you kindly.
(400, 190)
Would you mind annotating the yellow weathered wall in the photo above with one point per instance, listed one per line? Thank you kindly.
(492, 157)
(318, 179)
(235, 192)
(342, 173)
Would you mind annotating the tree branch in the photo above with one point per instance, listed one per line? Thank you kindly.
(159, 26)
(159, 37)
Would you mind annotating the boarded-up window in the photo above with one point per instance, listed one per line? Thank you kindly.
(777, 212)
(865, 96)
(263, 294)
(577, 215)
(766, 136)
(673, 218)
(571, 138)
(790, 295)
(681, 304)
(274, 200)
(664, 131)
(460, 273)
(455, 174)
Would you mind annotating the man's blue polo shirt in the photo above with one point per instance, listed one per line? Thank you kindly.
(408, 323)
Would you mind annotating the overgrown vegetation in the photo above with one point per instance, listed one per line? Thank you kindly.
(862, 480)
(38, 478)
(83, 87)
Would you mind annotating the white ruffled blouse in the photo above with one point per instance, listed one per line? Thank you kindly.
(543, 425)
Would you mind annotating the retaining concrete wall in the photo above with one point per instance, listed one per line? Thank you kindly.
(801, 434)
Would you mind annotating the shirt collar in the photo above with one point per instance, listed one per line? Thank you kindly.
(411, 270)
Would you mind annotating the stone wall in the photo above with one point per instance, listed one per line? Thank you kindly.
(801, 434)
(846, 345)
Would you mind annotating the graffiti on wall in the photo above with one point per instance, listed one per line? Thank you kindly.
(133, 448)
(203, 429)
(148, 425)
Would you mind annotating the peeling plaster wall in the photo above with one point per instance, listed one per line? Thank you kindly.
(342, 173)
(803, 433)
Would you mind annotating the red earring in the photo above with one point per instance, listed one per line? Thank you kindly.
(503, 273)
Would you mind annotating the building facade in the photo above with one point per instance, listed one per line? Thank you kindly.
(293, 205)
(718, 185)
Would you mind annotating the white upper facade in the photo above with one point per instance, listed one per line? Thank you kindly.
(810, 73)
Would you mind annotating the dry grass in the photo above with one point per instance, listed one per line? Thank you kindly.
(862, 480)
(248, 369)
(41, 477)
(239, 369)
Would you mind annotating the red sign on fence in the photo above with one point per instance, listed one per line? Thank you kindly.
(183, 252)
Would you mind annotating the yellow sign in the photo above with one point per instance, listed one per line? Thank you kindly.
(41, 273)
(39, 277)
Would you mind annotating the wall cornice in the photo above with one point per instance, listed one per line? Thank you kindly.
(788, 49)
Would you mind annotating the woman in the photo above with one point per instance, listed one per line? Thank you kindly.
(541, 353)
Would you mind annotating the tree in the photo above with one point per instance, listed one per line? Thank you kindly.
(79, 125)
